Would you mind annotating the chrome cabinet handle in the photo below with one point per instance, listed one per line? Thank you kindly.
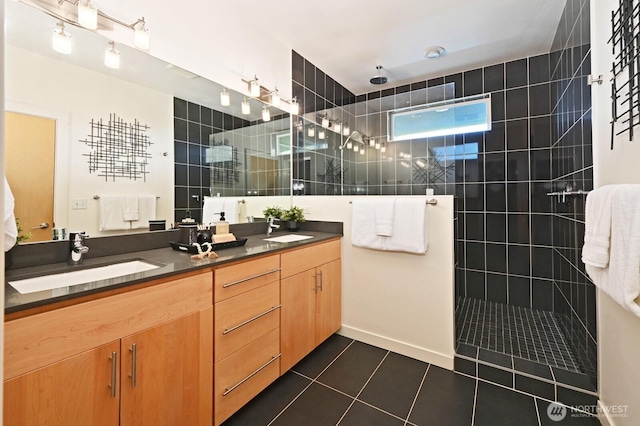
(320, 273)
(114, 372)
(235, 327)
(134, 359)
(250, 278)
(227, 391)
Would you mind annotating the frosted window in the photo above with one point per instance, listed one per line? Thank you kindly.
(464, 115)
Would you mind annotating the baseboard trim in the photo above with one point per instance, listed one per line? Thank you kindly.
(403, 348)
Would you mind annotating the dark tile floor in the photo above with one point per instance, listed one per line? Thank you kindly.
(346, 382)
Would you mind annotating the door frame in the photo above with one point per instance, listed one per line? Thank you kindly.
(62, 154)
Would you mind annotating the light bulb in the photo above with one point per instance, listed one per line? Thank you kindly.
(372, 142)
(87, 14)
(141, 37)
(325, 122)
(61, 41)
(246, 108)
(266, 114)
(362, 151)
(377, 145)
(355, 148)
(112, 56)
(294, 107)
(311, 132)
(321, 134)
(275, 98)
(255, 88)
(337, 127)
(420, 163)
(349, 145)
(346, 131)
(225, 98)
(383, 148)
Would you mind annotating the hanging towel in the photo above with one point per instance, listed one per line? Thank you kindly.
(363, 228)
(111, 217)
(383, 209)
(409, 226)
(595, 251)
(620, 279)
(130, 208)
(146, 211)
(231, 210)
(211, 209)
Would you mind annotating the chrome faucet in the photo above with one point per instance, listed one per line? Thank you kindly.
(76, 247)
(271, 226)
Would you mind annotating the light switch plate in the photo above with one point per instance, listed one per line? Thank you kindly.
(79, 204)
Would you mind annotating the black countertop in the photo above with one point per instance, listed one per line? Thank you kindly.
(172, 263)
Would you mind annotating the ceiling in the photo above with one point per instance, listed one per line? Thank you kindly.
(348, 38)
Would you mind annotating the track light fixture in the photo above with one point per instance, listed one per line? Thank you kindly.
(225, 98)
(61, 41)
(275, 98)
(266, 114)
(294, 107)
(112, 56)
(246, 108)
(87, 14)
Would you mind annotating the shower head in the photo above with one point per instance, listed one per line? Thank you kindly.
(378, 79)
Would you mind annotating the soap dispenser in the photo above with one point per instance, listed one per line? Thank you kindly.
(222, 226)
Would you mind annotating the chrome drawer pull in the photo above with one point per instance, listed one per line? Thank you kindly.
(114, 371)
(227, 391)
(250, 278)
(235, 327)
(134, 361)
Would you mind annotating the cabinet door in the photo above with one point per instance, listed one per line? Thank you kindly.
(328, 300)
(167, 373)
(75, 391)
(297, 318)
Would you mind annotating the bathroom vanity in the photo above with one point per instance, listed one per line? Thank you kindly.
(190, 342)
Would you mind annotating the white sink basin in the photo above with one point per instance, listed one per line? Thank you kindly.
(289, 238)
(82, 276)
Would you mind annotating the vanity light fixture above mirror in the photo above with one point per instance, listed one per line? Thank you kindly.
(269, 96)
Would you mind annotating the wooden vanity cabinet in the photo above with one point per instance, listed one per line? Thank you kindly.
(246, 332)
(310, 291)
(136, 358)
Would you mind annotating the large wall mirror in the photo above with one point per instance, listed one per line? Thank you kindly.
(56, 102)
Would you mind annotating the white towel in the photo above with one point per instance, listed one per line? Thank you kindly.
(409, 226)
(111, 214)
(231, 210)
(621, 278)
(383, 209)
(211, 209)
(595, 251)
(146, 211)
(130, 208)
(363, 227)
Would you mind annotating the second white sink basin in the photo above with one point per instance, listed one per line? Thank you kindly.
(82, 276)
(289, 238)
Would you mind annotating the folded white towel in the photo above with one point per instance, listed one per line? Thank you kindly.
(383, 209)
(363, 231)
(146, 211)
(111, 214)
(130, 208)
(595, 251)
(409, 226)
(211, 209)
(620, 279)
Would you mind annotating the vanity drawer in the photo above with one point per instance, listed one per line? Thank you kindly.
(242, 319)
(302, 259)
(243, 375)
(233, 280)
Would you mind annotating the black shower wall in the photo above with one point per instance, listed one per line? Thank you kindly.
(574, 293)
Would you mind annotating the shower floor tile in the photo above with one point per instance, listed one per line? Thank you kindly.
(513, 330)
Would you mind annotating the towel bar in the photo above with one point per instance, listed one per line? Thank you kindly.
(432, 202)
(97, 197)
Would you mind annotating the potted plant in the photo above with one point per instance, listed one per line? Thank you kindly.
(293, 217)
(274, 212)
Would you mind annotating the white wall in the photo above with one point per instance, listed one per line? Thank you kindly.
(2, 198)
(397, 301)
(74, 96)
(618, 329)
